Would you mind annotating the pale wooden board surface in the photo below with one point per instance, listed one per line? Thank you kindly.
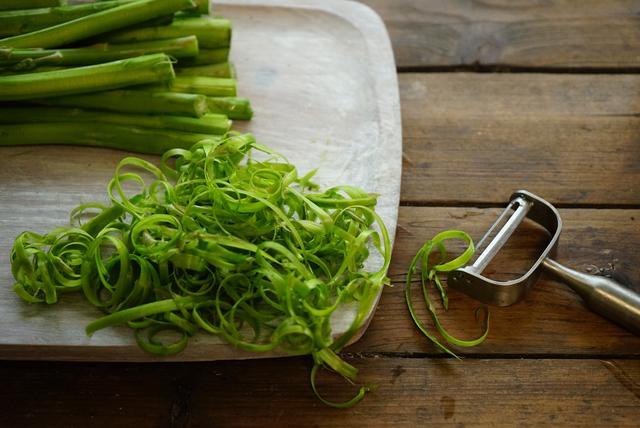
(532, 34)
(337, 111)
(475, 138)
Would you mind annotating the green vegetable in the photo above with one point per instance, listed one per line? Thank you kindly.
(26, 20)
(212, 33)
(429, 275)
(223, 69)
(133, 139)
(25, 58)
(209, 86)
(110, 75)
(206, 56)
(138, 101)
(233, 107)
(221, 240)
(202, 7)
(215, 124)
(97, 23)
(29, 4)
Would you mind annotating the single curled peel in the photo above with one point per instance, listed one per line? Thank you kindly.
(429, 275)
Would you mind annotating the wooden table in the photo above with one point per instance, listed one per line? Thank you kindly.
(496, 95)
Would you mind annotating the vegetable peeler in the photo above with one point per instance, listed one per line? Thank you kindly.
(603, 295)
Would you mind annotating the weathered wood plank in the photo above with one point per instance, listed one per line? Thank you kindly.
(550, 320)
(410, 392)
(573, 139)
(553, 34)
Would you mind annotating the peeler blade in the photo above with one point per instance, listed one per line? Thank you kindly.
(469, 279)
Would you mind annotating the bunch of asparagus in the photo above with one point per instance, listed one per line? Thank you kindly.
(139, 75)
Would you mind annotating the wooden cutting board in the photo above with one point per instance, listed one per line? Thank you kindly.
(322, 80)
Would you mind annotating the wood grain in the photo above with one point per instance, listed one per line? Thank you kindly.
(551, 320)
(474, 138)
(545, 34)
(410, 392)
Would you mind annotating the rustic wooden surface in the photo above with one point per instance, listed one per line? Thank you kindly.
(567, 129)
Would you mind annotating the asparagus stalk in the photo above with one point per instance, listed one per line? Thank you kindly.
(97, 23)
(232, 107)
(29, 4)
(26, 20)
(215, 124)
(184, 47)
(101, 77)
(209, 86)
(208, 56)
(224, 69)
(212, 33)
(137, 101)
(141, 140)
(202, 7)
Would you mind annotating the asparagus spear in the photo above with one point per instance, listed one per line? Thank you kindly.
(184, 47)
(224, 69)
(216, 124)
(135, 139)
(110, 75)
(232, 107)
(209, 86)
(207, 56)
(29, 4)
(202, 7)
(26, 20)
(137, 101)
(97, 23)
(212, 33)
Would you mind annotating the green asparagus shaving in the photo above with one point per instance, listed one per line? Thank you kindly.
(223, 238)
(212, 33)
(139, 101)
(22, 21)
(224, 69)
(429, 275)
(26, 58)
(98, 23)
(121, 137)
(153, 68)
(29, 4)
(233, 107)
(214, 124)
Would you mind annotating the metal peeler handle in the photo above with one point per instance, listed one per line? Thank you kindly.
(603, 295)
